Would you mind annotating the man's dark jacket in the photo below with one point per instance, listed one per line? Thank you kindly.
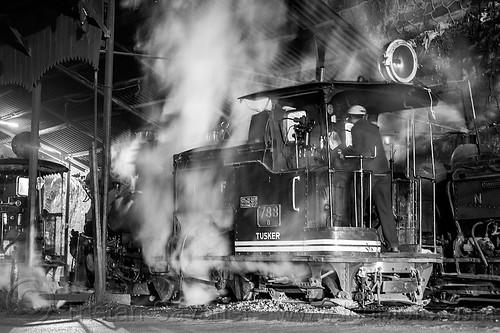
(365, 136)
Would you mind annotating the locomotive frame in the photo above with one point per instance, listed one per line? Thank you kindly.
(288, 202)
(469, 224)
(49, 234)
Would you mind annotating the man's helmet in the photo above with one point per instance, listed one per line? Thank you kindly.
(356, 110)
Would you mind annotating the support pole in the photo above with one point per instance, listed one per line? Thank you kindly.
(33, 174)
(108, 96)
(66, 220)
(100, 273)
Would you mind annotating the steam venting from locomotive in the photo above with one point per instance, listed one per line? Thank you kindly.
(206, 62)
(209, 53)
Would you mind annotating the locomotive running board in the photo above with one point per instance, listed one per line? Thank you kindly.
(308, 245)
(401, 257)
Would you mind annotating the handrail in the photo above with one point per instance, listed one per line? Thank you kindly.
(294, 205)
(361, 172)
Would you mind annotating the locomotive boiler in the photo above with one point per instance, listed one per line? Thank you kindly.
(283, 214)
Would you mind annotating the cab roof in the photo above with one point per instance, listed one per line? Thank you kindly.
(376, 97)
(20, 166)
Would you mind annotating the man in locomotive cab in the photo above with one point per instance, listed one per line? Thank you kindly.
(367, 144)
(335, 145)
(330, 147)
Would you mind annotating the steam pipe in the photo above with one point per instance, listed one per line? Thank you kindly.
(370, 204)
(433, 165)
(483, 259)
(96, 83)
(408, 148)
(434, 227)
(478, 141)
(356, 212)
(472, 101)
(329, 163)
(450, 200)
(361, 193)
(413, 143)
(420, 201)
(321, 74)
(296, 151)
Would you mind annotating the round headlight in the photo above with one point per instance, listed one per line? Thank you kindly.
(399, 62)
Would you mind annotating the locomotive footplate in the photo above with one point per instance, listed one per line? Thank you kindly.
(348, 258)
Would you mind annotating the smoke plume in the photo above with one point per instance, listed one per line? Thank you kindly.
(209, 52)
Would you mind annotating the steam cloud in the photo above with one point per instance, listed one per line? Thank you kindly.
(210, 51)
(26, 292)
(447, 119)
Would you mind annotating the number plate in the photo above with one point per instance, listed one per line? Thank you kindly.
(269, 215)
(249, 202)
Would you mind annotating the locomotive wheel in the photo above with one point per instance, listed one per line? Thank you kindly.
(241, 287)
(165, 288)
(24, 297)
(330, 280)
(18, 297)
(344, 295)
(277, 295)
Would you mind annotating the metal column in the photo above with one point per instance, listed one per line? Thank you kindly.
(33, 173)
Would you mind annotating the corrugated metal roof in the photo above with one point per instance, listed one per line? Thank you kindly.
(67, 116)
(42, 35)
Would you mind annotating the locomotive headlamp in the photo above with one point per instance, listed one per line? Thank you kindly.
(21, 144)
(399, 62)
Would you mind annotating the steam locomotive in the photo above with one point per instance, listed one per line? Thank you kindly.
(14, 211)
(285, 213)
(469, 220)
(279, 214)
(48, 248)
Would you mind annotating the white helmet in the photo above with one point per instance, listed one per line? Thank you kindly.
(357, 110)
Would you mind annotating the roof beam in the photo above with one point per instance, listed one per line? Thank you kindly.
(72, 124)
(89, 84)
(84, 153)
(53, 129)
(49, 150)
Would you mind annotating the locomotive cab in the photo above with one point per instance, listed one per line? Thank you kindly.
(288, 198)
(14, 211)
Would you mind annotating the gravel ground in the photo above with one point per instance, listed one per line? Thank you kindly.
(299, 311)
(281, 311)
